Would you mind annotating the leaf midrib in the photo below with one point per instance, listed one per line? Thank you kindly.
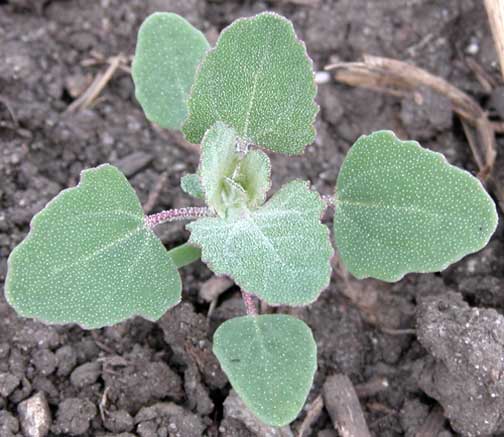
(85, 259)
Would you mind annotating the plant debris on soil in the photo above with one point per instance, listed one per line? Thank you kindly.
(422, 357)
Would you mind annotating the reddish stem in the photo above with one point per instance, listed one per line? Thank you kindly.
(170, 215)
(250, 305)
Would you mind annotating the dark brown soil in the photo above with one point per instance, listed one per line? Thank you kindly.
(161, 379)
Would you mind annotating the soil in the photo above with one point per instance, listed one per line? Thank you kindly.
(435, 339)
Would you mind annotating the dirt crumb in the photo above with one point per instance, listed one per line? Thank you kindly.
(464, 374)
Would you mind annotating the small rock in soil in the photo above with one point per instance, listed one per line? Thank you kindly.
(8, 383)
(45, 385)
(9, 425)
(35, 416)
(197, 395)
(4, 350)
(119, 421)
(85, 374)
(86, 350)
(187, 334)
(230, 427)
(234, 408)
(22, 392)
(464, 374)
(74, 416)
(45, 361)
(413, 415)
(67, 360)
(35, 334)
(167, 418)
(140, 382)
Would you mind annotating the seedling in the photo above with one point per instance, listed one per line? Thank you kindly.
(92, 258)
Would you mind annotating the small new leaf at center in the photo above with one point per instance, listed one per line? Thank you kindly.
(230, 180)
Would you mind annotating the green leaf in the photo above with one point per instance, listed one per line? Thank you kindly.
(259, 81)
(401, 208)
(90, 259)
(270, 361)
(254, 176)
(218, 161)
(280, 252)
(168, 52)
(191, 184)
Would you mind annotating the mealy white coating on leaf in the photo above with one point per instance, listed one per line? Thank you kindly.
(218, 160)
(168, 52)
(270, 361)
(191, 184)
(401, 208)
(254, 176)
(280, 251)
(90, 259)
(258, 80)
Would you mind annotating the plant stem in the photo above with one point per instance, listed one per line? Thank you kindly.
(249, 301)
(184, 254)
(170, 215)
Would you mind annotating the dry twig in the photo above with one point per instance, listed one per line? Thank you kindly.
(315, 409)
(403, 80)
(99, 83)
(344, 408)
(495, 11)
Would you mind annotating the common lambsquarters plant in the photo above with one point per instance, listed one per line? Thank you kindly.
(92, 258)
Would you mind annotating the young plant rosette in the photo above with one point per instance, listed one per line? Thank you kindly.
(91, 256)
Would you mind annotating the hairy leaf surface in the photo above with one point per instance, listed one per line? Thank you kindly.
(90, 259)
(191, 184)
(218, 162)
(259, 81)
(255, 177)
(401, 208)
(270, 361)
(168, 52)
(281, 251)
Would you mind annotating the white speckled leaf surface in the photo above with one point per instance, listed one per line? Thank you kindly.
(259, 81)
(218, 161)
(255, 177)
(167, 55)
(90, 259)
(191, 184)
(401, 208)
(270, 361)
(280, 251)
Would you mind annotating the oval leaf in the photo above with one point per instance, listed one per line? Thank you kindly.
(280, 252)
(270, 361)
(259, 81)
(168, 52)
(90, 259)
(401, 208)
